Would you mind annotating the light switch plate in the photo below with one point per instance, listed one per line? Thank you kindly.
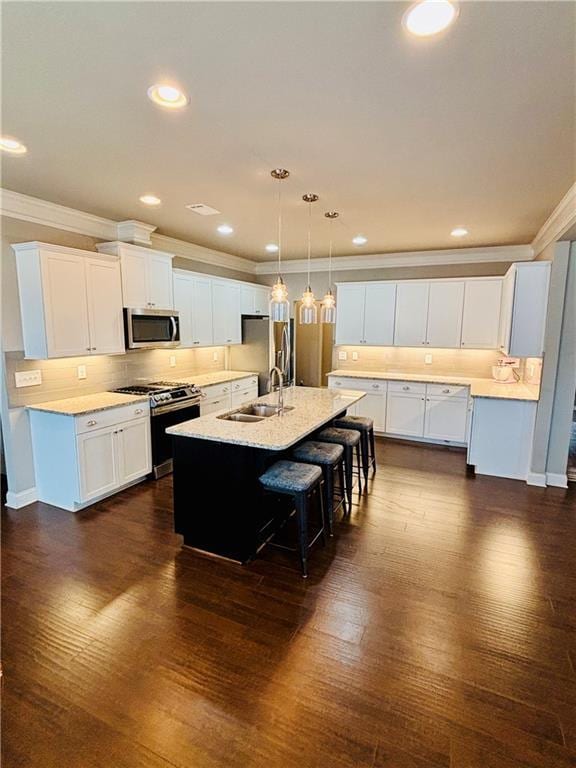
(354, 355)
(81, 371)
(215, 357)
(342, 356)
(27, 378)
(172, 361)
(428, 359)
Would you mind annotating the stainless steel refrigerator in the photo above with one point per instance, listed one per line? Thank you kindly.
(264, 344)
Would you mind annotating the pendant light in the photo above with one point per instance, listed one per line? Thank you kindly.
(308, 309)
(279, 306)
(328, 303)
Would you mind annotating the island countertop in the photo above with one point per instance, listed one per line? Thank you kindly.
(313, 407)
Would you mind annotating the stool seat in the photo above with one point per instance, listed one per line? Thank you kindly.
(290, 476)
(361, 423)
(319, 453)
(348, 437)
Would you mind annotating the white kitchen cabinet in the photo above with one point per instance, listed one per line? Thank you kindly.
(523, 309)
(70, 301)
(446, 416)
(183, 305)
(411, 313)
(373, 405)
(254, 300)
(202, 326)
(78, 459)
(405, 409)
(365, 313)
(226, 316)
(445, 306)
(481, 315)
(146, 275)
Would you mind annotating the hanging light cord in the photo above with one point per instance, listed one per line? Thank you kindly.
(309, 238)
(330, 260)
(279, 226)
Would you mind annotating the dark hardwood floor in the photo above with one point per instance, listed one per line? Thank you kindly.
(436, 631)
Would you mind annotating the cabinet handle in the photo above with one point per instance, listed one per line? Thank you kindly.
(338, 383)
(120, 430)
(139, 410)
(228, 341)
(405, 388)
(196, 342)
(427, 399)
(91, 423)
(446, 391)
(375, 386)
(93, 349)
(87, 349)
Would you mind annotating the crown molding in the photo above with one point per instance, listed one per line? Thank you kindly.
(562, 218)
(25, 208)
(403, 259)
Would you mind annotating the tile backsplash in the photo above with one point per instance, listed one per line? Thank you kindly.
(469, 362)
(60, 377)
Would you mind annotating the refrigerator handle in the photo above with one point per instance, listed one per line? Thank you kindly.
(285, 351)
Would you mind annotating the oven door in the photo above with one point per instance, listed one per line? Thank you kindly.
(151, 328)
(161, 419)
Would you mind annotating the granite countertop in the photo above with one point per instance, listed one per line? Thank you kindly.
(479, 387)
(77, 406)
(313, 407)
(215, 377)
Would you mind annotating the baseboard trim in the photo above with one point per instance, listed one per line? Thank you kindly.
(556, 480)
(536, 478)
(21, 499)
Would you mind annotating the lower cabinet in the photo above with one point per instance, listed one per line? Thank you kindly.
(446, 416)
(405, 414)
(232, 394)
(81, 459)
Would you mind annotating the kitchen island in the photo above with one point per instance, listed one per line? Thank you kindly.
(219, 505)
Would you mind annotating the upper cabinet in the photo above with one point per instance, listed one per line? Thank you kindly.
(146, 275)
(481, 317)
(255, 300)
(445, 303)
(523, 309)
(226, 317)
(365, 314)
(71, 301)
(411, 313)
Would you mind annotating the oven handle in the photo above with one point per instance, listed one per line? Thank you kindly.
(174, 407)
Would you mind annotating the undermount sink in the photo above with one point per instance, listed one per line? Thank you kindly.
(254, 412)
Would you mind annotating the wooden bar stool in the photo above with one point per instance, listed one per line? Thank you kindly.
(330, 457)
(348, 439)
(291, 478)
(365, 426)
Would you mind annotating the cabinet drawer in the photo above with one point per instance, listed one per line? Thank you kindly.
(453, 390)
(407, 387)
(242, 384)
(364, 385)
(92, 421)
(217, 390)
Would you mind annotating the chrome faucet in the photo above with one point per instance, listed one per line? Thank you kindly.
(278, 372)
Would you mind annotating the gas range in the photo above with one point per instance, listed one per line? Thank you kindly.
(165, 395)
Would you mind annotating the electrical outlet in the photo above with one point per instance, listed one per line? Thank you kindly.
(27, 378)
(81, 371)
(172, 361)
(428, 359)
(354, 355)
(342, 355)
(215, 356)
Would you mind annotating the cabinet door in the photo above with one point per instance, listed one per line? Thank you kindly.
(379, 311)
(104, 288)
(373, 405)
(506, 307)
(481, 317)
(411, 314)
(202, 328)
(446, 418)
(262, 301)
(65, 305)
(405, 414)
(183, 305)
(234, 323)
(134, 267)
(97, 463)
(134, 450)
(243, 396)
(226, 313)
(529, 309)
(160, 281)
(350, 314)
(247, 299)
(214, 404)
(445, 306)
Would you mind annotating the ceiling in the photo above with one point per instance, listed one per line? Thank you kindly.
(406, 137)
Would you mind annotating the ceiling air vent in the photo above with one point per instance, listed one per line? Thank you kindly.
(202, 210)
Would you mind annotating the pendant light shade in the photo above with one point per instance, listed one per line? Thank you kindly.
(308, 314)
(328, 303)
(279, 305)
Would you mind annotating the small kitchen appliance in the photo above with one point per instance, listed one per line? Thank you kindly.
(170, 403)
(151, 328)
(505, 370)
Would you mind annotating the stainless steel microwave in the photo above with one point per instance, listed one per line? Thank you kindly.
(151, 328)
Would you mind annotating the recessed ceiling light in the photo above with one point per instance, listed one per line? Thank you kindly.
(359, 240)
(12, 146)
(150, 200)
(429, 17)
(225, 229)
(459, 232)
(272, 248)
(167, 96)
